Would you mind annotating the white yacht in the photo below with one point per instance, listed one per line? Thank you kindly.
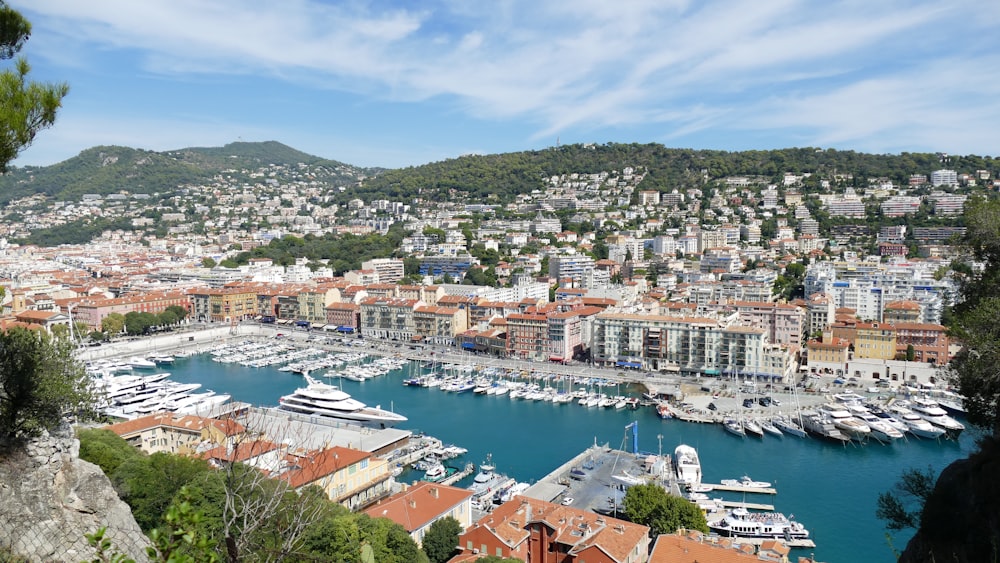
(881, 430)
(931, 411)
(688, 465)
(915, 424)
(141, 363)
(322, 399)
(854, 428)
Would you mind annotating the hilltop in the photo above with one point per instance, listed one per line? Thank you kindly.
(105, 170)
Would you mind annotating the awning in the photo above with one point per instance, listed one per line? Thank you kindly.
(555, 358)
(629, 364)
(469, 345)
(711, 372)
(345, 329)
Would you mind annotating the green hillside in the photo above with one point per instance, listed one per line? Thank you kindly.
(503, 176)
(110, 169)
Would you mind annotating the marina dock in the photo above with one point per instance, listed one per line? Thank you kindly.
(742, 489)
(456, 477)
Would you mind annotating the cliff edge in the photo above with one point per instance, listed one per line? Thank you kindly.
(961, 518)
(50, 498)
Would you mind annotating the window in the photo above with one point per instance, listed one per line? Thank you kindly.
(499, 552)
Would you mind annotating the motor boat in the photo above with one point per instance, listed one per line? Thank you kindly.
(688, 466)
(931, 411)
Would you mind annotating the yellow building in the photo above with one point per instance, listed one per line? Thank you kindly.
(167, 432)
(352, 478)
(875, 340)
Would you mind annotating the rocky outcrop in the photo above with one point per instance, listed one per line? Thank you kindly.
(50, 498)
(961, 519)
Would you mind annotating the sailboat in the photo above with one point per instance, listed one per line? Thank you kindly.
(735, 426)
(790, 425)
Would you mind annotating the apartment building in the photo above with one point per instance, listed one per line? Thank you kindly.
(419, 506)
(875, 340)
(783, 323)
(388, 318)
(349, 477)
(565, 335)
(929, 342)
(344, 316)
(528, 336)
(92, 311)
(176, 434)
(438, 325)
(389, 270)
(687, 345)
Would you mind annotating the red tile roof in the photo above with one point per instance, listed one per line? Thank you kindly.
(419, 505)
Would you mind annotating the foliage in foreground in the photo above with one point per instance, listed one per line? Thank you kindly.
(441, 539)
(40, 384)
(180, 503)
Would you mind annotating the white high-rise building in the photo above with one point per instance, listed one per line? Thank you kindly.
(944, 178)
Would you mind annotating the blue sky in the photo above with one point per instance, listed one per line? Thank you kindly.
(380, 83)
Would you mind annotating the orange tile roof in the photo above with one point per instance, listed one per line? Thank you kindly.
(242, 451)
(675, 548)
(321, 463)
(617, 538)
(190, 422)
(419, 505)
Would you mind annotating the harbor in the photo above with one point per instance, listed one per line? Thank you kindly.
(529, 439)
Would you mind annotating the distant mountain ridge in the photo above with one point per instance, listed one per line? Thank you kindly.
(110, 169)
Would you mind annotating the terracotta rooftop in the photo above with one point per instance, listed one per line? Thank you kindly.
(419, 505)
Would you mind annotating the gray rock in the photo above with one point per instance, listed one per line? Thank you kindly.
(50, 499)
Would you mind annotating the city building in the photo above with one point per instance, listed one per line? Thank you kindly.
(543, 532)
(419, 506)
(944, 178)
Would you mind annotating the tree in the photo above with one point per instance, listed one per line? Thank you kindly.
(40, 384)
(911, 491)
(113, 324)
(208, 262)
(651, 505)
(105, 449)
(26, 107)
(441, 539)
(976, 323)
(149, 483)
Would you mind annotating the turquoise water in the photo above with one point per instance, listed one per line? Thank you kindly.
(830, 488)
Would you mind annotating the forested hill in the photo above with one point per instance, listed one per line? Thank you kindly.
(110, 169)
(496, 177)
(500, 176)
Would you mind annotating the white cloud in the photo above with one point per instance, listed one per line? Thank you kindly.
(683, 66)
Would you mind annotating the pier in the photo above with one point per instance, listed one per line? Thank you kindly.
(458, 476)
(742, 489)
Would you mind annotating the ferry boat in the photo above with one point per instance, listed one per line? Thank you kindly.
(688, 466)
(322, 399)
(739, 522)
